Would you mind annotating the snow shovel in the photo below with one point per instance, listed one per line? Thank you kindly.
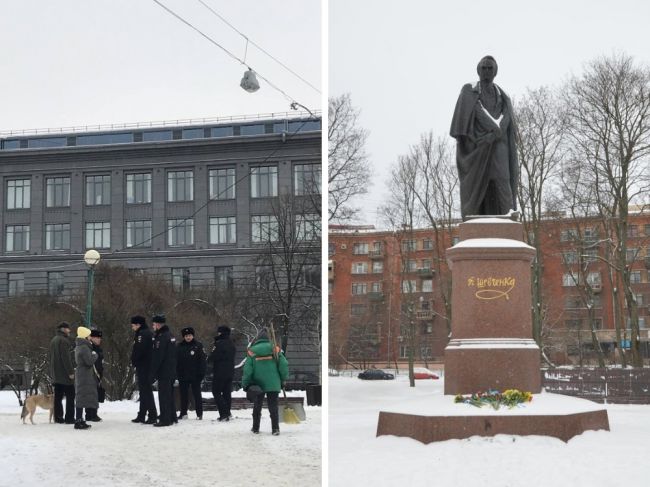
(290, 413)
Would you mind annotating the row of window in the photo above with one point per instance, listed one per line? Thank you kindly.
(580, 324)
(591, 255)
(180, 186)
(594, 278)
(180, 232)
(591, 234)
(408, 286)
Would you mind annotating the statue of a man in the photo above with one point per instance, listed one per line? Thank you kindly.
(486, 157)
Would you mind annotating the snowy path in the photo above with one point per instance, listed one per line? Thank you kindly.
(193, 453)
(357, 457)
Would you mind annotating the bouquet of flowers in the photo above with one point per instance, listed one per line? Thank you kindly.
(494, 398)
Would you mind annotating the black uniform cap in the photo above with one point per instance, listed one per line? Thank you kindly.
(158, 319)
(96, 333)
(138, 320)
(187, 331)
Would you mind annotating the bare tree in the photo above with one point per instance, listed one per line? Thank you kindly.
(609, 115)
(540, 147)
(348, 166)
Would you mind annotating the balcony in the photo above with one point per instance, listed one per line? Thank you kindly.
(426, 314)
(424, 272)
(376, 254)
(376, 296)
(597, 287)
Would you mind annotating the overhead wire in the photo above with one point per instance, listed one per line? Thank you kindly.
(258, 46)
(207, 37)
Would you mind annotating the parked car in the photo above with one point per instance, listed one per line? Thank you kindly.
(423, 373)
(375, 374)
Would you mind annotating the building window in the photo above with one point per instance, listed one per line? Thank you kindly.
(138, 233)
(360, 268)
(575, 324)
(631, 254)
(632, 231)
(376, 287)
(568, 279)
(331, 249)
(594, 279)
(264, 228)
(308, 227)
(425, 352)
(359, 288)
(138, 188)
(409, 245)
(427, 244)
(377, 267)
(264, 181)
(311, 276)
(180, 232)
(222, 184)
(58, 192)
(411, 265)
(98, 235)
(590, 234)
(157, 135)
(573, 302)
(590, 255)
(306, 179)
(635, 277)
(16, 283)
(360, 249)
(57, 236)
(98, 190)
(180, 186)
(568, 235)
(409, 286)
(180, 279)
(403, 352)
(55, 283)
(426, 264)
(647, 229)
(18, 193)
(223, 230)
(570, 257)
(17, 239)
(427, 285)
(223, 277)
(357, 309)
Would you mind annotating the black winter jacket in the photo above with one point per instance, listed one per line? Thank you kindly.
(190, 361)
(99, 363)
(223, 358)
(142, 352)
(163, 365)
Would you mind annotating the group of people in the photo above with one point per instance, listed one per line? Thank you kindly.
(77, 371)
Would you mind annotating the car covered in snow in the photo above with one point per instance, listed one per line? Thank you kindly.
(424, 373)
(375, 374)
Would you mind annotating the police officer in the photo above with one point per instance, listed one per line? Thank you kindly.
(96, 340)
(223, 359)
(191, 370)
(164, 369)
(141, 356)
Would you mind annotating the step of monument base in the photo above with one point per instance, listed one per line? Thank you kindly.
(428, 429)
(475, 365)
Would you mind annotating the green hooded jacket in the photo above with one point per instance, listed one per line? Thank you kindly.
(263, 369)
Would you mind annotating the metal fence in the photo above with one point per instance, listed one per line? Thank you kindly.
(621, 386)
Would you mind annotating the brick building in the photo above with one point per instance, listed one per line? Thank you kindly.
(380, 282)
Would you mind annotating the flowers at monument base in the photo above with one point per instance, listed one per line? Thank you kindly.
(496, 399)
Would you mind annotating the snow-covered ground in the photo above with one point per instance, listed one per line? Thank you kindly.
(358, 457)
(118, 453)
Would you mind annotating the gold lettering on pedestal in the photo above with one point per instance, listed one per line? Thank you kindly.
(489, 288)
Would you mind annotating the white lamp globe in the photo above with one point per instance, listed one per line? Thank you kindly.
(91, 257)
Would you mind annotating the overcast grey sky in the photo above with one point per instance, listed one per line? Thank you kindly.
(404, 62)
(77, 62)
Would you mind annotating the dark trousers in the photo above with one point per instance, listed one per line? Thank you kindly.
(80, 414)
(91, 413)
(166, 401)
(272, 404)
(221, 390)
(147, 403)
(61, 390)
(183, 387)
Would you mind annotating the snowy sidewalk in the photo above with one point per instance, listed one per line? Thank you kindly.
(193, 453)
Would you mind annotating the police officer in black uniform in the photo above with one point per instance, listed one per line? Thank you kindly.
(164, 369)
(141, 356)
(190, 367)
(96, 340)
(223, 359)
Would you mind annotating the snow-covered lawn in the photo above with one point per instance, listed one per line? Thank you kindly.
(118, 453)
(358, 457)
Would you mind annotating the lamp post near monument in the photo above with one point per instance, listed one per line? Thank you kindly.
(491, 345)
(91, 258)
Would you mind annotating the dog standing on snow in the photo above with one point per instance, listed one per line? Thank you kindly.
(44, 401)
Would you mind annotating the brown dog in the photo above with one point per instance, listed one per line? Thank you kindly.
(44, 401)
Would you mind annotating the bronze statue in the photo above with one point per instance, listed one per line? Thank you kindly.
(486, 157)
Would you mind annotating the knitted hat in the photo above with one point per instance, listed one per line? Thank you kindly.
(187, 331)
(83, 332)
(138, 320)
(96, 333)
(63, 324)
(158, 319)
(263, 335)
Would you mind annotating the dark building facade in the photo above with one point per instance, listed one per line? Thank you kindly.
(192, 202)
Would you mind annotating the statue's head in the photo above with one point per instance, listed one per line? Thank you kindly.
(487, 69)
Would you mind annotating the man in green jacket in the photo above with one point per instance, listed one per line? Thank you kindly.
(266, 367)
(62, 373)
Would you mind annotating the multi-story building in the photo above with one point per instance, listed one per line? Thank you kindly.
(382, 281)
(192, 201)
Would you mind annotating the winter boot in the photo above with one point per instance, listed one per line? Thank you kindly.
(81, 425)
(276, 432)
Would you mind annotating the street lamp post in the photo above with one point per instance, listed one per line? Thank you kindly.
(91, 258)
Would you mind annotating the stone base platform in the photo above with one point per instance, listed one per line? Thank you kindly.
(562, 417)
